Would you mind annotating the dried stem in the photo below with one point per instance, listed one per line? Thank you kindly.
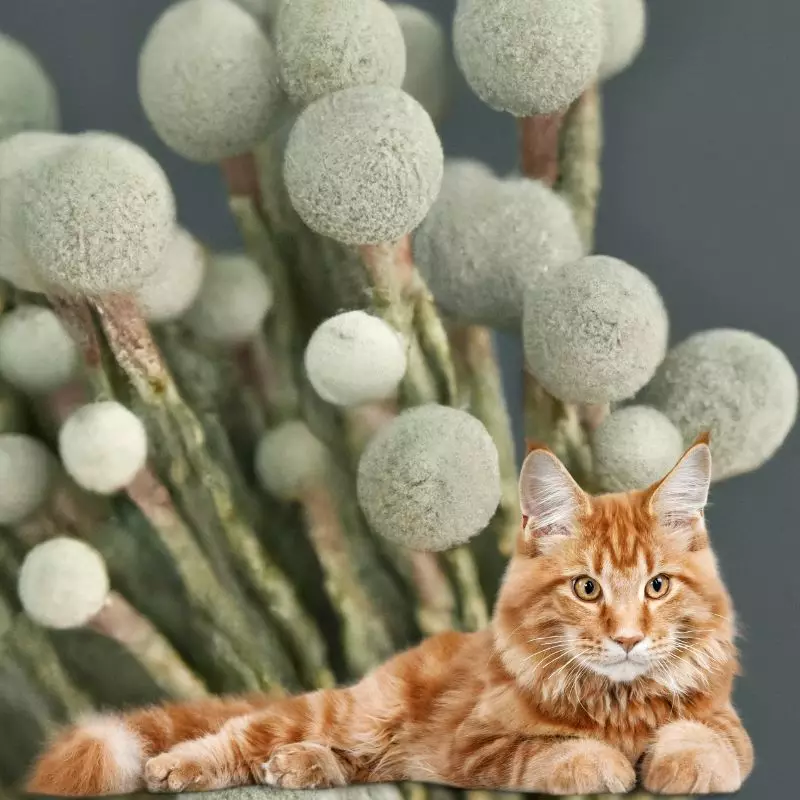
(119, 621)
(472, 604)
(539, 146)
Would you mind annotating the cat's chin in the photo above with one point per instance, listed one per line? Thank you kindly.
(624, 671)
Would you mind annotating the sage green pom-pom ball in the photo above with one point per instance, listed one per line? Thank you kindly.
(27, 476)
(625, 26)
(633, 448)
(325, 46)
(594, 331)
(736, 385)
(430, 480)
(364, 165)
(486, 240)
(103, 446)
(37, 354)
(63, 583)
(355, 358)
(19, 154)
(528, 57)
(233, 301)
(208, 80)
(429, 70)
(290, 460)
(97, 216)
(265, 12)
(28, 100)
(169, 292)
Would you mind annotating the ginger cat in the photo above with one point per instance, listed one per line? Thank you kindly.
(611, 648)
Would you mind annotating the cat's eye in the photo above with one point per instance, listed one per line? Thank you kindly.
(657, 587)
(586, 589)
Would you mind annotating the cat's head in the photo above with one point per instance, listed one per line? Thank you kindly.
(623, 587)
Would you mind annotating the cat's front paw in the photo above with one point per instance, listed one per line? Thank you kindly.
(188, 767)
(585, 766)
(304, 765)
(691, 758)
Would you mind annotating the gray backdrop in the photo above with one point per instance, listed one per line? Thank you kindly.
(701, 172)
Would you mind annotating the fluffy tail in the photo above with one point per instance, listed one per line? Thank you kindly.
(106, 754)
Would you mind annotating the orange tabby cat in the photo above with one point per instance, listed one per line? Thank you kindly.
(611, 647)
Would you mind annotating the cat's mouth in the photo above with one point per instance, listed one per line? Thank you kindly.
(625, 669)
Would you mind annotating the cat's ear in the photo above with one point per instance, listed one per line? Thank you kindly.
(678, 500)
(551, 501)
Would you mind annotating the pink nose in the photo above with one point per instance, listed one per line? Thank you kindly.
(627, 643)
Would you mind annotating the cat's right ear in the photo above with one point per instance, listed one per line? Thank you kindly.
(550, 499)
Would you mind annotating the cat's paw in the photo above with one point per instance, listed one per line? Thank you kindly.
(305, 765)
(585, 766)
(690, 758)
(178, 771)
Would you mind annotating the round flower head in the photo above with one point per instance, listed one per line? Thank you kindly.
(233, 302)
(625, 26)
(169, 292)
(430, 480)
(290, 460)
(27, 474)
(28, 99)
(97, 216)
(63, 583)
(355, 358)
(103, 446)
(325, 46)
(633, 448)
(486, 240)
(528, 57)
(734, 384)
(37, 354)
(208, 79)
(19, 154)
(428, 69)
(265, 12)
(594, 331)
(363, 166)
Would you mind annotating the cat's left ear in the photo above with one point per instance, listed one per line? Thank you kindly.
(679, 499)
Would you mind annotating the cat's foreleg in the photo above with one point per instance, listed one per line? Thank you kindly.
(691, 757)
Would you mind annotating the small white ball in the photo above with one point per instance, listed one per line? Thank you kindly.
(170, 291)
(37, 354)
(63, 583)
(625, 26)
(103, 446)
(233, 301)
(355, 358)
(27, 475)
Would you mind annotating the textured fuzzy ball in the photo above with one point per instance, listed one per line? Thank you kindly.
(355, 358)
(28, 100)
(208, 79)
(63, 583)
(430, 480)
(19, 154)
(27, 474)
(37, 354)
(428, 66)
(264, 11)
(528, 57)
(633, 448)
(595, 331)
(97, 216)
(233, 302)
(363, 166)
(625, 26)
(734, 384)
(486, 240)
(170, 291)
(290, 460)
(103, 446)
(325, 46)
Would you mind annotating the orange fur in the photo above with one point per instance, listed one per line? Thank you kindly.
(553, 697)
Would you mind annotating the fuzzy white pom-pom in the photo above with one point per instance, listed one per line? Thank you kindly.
(27, 475)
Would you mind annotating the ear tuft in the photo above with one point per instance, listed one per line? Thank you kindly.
(549, 497)
(679, 499)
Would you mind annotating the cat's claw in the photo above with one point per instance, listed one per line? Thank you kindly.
(590, 767)
(690, 758)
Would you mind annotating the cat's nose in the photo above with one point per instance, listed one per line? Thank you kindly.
(627, 643)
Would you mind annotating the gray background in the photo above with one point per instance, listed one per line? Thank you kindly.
(701, 166)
